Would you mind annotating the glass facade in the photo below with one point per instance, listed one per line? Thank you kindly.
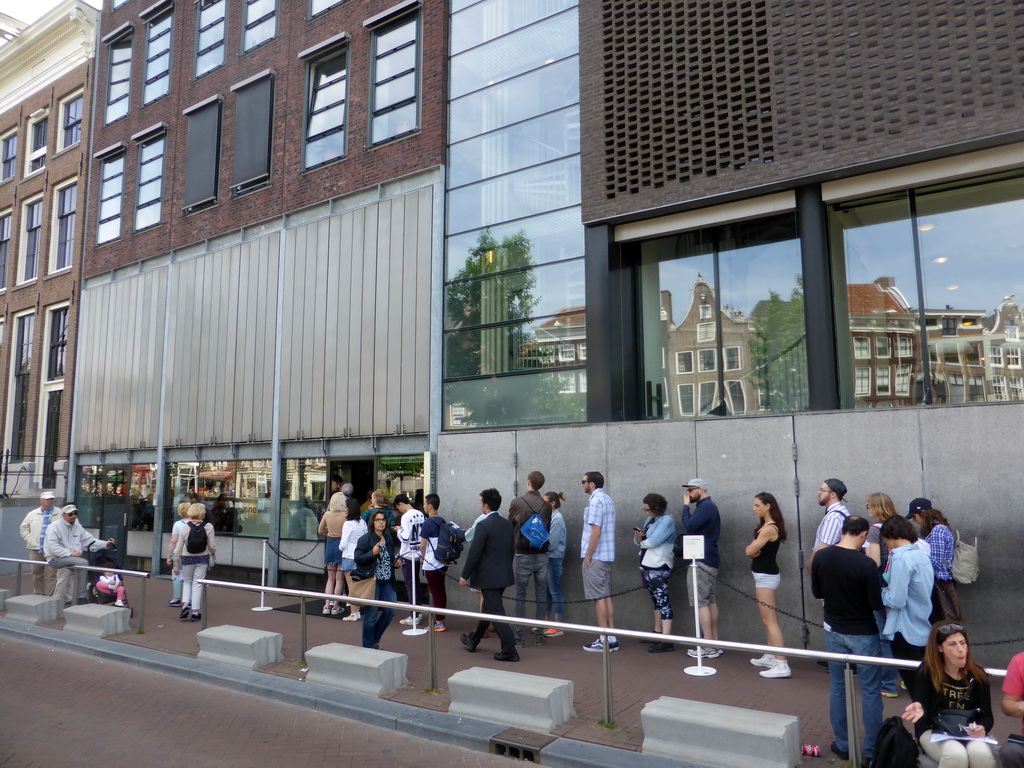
(722, 321)
(926, 291)
(515, 320)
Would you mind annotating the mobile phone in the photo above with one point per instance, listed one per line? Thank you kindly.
(638, 530)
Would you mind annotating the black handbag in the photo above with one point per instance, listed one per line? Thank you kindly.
(953, 721)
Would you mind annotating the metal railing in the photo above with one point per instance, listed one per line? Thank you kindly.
(849, 661)
(76, 582)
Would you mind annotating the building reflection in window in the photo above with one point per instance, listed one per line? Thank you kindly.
(960, 241)
(722, 321)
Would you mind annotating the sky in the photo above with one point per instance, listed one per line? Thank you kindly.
(30, 10)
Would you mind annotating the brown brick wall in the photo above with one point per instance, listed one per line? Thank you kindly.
(290, 187)
(47, 289)
(687, 100)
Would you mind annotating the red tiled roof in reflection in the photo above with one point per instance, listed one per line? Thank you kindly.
(871, 297)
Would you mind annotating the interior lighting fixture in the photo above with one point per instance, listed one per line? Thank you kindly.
(952, 287)
(941, 260)
(926, 228)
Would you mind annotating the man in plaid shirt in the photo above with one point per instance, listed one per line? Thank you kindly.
(597, 548)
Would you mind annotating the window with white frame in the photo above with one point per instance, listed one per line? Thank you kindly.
(1012, 333)
(708, 394)
(158, 57)
(998, 387)
(684, 362)
(882, 384)
(567, 383)
(906, 346)
(685, 394)
(65, 207)
(975, 389)
(5, 246)
(212, 25)
(57, 343)
(1012, 356)
(705, 332)
(111, 192)
(32, 237)
(1016, 388)
(8, 156)
(326, 109)
(903, 379)
(732, 358)
(861, 347)
(21, 372)
(582, 381)
(119, 74)
(581, 351)
(51, 392)
(862, 381)
(995, 356)
(150, 184)
(737, 398)
(260, 23)
(319, 6)
(566, 353)
(71, 121)
(950, 326)
(705, 311)
(706, 360)
(38, 130)
(882, 346)
(395, 91)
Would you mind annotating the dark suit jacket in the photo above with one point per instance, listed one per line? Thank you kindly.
(489, 564)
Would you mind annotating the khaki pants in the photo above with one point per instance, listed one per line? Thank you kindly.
(44, 578)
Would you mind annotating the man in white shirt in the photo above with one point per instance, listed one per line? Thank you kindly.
(409, 553)
(33, 531)
(65, 542)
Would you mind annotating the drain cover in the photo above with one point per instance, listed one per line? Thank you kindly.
(520, 744)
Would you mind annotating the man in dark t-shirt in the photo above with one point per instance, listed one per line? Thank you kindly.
(847, 580)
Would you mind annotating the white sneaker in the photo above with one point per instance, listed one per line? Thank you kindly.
(707, 653)
(408, 620)
(768, 660)
(781, 669)
(119, 603)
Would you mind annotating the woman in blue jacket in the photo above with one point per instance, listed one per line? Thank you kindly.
(656, 540)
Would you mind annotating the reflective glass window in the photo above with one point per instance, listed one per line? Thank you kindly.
(395, 80)
(211, 25)
(552, 236)
(111, 190)
(494, 18)
(514, 400)
(119, 73)
(260, 23)
(326, 108)
(66, 208)
(158, 58)
(71, 121)
(149, 191)
(141, 492)
(304, 497)
(8, 156)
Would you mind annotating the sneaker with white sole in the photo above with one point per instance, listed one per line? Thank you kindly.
(408, 620)
(598, 647)
(119, 603)
(780, 670)
(707, 653)
(767, 660)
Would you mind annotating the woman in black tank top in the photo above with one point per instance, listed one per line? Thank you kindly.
(763, 552)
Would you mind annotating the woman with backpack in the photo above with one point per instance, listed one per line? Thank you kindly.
(935, 530)
(951, 695)
(192, 558)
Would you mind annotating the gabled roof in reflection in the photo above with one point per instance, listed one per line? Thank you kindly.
(879, 296)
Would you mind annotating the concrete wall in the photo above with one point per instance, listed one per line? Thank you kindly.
(956, 456)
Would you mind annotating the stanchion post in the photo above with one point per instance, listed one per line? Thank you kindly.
(609, 717)
(263, 581)
(432, 644)
(17, 584)
(302, 641)
(854, 726)
(206, 603)
(142, 608)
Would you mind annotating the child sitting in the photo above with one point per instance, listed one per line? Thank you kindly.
(110, 584)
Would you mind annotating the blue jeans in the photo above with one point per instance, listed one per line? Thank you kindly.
(555, 601)
(376, 620)
(870, 679)
(890, 676)
(526, 567)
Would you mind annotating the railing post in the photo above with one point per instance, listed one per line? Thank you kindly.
(432, 646)
(142, 608)
(302, 639)
(204, 606)
(854, 728)
(609, 717)
(76, 582)
(17, 584)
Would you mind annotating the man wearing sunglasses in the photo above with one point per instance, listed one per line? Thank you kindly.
(63, 546)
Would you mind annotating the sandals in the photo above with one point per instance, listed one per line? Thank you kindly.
(353, 617)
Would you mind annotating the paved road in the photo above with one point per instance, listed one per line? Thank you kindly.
(60, 709)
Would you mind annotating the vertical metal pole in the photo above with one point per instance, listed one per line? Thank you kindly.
(432, 645)
(142, 608)
(76, 582)
(302, 641)
(609, 717)
(205, 606)
(17, 584)
(854, 729)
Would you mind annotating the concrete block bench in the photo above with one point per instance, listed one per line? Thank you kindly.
(356, 669)
(4, 594)
(239, 646)
(34, 609)
(96, 620)
(511, 698)
(719, 736)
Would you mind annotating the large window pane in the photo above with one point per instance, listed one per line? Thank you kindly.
(731, 348)
(304, 497)
(530, 143)
(553, 237)
(541, 398)
(494, 18)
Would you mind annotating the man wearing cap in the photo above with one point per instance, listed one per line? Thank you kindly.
(33, 531)
(704, 520)
(409, 553)
(830, 495)
(63, 546)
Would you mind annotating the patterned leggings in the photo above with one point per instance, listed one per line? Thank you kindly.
(656, 582)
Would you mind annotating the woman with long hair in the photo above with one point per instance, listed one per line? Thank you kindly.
(656, 540)
(763, 553)
(881, 508)
(193, 565)
(556, 562)
(353, 530)
(379, 503)
(951, 695)
(935, 530)
(375, 555)
(331, 525)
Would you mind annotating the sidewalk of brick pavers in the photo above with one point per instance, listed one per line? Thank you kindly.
(637, 676)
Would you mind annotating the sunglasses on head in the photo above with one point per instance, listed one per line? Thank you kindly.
(948, 629)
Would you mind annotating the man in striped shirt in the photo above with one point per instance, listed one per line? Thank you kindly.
(830, 530)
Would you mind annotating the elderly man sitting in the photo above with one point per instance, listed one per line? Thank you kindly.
(63, 546)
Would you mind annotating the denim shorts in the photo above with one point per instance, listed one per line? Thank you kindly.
(348, 564)
(767, 580)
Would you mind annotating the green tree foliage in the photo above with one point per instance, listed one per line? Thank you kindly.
(778, 348)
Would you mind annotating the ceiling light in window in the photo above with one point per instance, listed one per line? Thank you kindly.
(926, 228)
(941, 260)
(952, 287)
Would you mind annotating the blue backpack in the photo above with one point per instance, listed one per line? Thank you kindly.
(534, 531)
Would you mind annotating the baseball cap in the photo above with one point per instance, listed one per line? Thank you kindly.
(47, 495)
(918, 505)
(67, 509)
(696, 483)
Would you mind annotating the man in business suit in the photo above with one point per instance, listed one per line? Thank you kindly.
(489, 569)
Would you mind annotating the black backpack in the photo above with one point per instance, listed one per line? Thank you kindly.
(196, 540)
(450, 541)
(895, 747)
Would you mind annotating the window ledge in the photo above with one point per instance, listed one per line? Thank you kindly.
(26, 283)
(30, 174)
(59, 272)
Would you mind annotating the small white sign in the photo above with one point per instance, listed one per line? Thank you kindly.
(693, 547)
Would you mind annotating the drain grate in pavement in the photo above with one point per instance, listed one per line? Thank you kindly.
(520, 744)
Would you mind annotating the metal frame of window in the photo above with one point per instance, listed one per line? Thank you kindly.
(22, 371)
(119, 74)
(112, 173)
(206, 23)
(8, 156)
(5, 245)
(32, 226)
(315, 132)
(57, 343)
(251, 25)
(145, 199)
(159, 40)
(376, 84)
(65, 206)
(39, 129)
(71, 120)
(319, 6)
